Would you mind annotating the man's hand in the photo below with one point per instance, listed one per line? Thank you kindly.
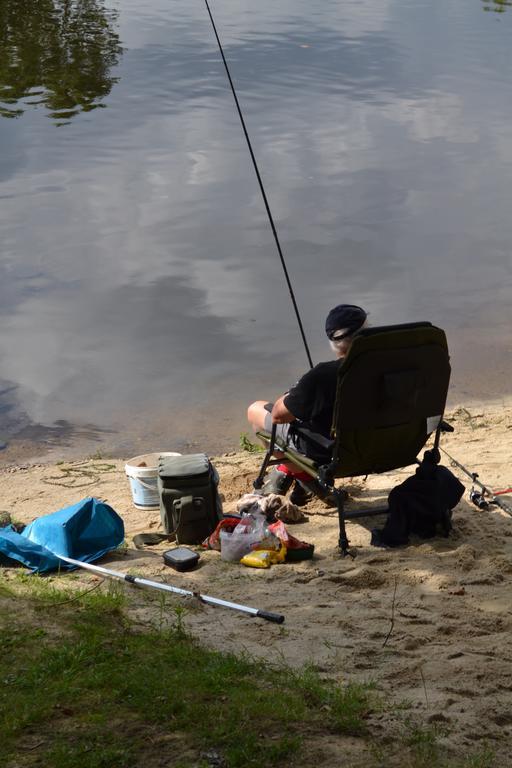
(280, 413)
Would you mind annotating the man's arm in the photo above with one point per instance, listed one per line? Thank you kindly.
(280, 413)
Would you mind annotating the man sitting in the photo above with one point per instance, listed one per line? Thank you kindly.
(310, 403)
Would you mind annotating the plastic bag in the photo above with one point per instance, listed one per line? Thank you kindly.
(250, 532)
(295, 548)
(226, 524)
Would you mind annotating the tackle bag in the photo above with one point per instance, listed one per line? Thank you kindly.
(190, 505)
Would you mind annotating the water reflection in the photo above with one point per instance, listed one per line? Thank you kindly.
(139, 285)
(498, 6)
(62, 433)
(56, 53)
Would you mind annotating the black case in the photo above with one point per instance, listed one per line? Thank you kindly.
(181, 558)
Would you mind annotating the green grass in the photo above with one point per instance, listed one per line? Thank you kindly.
(81, 685)
(246, 444)
(424, 746)
(89, 689)
(347, 706)
(425, 750)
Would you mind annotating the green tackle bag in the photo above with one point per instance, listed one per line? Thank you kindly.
(190, 505)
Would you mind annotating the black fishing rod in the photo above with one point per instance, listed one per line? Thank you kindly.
(262, 189)
(487, 495)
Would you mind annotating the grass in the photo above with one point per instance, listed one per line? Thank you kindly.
(424, 746)
(247, 445)
(426, 752)
(82, 685)
(347, 707)
(90, 689)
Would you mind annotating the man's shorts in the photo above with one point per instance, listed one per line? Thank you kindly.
(282, 430)
(286, 433)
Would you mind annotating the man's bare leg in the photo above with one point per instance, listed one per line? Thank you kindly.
(256, 415)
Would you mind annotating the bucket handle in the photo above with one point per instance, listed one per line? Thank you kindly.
(144, 485)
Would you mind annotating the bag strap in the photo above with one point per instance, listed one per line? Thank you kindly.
(149, 539)
(183, 503)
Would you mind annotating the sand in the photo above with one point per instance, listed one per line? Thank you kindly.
(446, 655)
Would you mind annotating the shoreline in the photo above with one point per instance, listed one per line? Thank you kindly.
(23, 452)
(450, 596)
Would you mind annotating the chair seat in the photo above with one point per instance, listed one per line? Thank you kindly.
(306, 464)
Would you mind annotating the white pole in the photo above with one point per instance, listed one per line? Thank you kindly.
(278, 618)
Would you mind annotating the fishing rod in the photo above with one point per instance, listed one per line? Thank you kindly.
(262, 188)
(277, 618)
(487, 496)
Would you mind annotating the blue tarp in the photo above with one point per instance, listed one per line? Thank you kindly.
(85, 531)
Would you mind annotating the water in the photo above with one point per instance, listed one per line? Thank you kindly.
(142, 301)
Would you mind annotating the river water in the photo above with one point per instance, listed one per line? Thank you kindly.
(142, 302)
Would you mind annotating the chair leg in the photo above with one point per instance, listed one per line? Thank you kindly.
(343, 540)
(267, 459)
(258, 483)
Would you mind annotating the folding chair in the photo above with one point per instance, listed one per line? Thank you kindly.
(391, 394)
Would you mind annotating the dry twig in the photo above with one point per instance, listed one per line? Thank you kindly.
(392, 613)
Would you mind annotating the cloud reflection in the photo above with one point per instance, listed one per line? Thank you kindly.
(139, 277)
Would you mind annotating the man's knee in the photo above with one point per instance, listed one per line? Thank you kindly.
(251, 411)
(256, 413)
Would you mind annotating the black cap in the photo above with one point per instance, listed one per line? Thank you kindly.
(347, 316)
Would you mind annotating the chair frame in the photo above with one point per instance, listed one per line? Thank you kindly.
(325, 474)
(325, 478)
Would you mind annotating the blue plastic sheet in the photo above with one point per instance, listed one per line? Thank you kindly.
(85, 531)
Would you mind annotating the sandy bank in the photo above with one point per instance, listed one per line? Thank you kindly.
(448, 655)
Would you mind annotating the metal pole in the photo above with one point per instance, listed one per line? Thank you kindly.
(277, 618)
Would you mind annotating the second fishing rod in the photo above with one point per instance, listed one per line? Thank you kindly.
(486, 495)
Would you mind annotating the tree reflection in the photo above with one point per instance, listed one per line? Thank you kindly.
(498, 6)
(57, 53)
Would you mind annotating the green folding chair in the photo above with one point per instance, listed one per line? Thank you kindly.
(390, 397)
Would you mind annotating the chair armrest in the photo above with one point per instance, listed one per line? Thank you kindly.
(315, 437)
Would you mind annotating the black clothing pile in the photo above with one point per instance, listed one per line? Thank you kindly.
(420, 506)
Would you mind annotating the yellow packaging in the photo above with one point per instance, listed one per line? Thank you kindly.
(260, 558)
(264, 558)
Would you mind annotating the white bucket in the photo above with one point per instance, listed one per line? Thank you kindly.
(144, 479)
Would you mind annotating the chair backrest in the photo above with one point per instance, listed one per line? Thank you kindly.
(391, 394)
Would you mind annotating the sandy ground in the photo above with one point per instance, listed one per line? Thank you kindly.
(448, 656)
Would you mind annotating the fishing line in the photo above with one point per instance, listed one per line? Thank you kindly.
(262, 189)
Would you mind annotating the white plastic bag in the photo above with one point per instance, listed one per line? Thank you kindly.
(245, 536)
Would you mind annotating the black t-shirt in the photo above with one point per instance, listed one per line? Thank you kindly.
(311, 399)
